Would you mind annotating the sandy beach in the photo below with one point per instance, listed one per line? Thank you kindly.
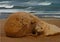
(55, 38)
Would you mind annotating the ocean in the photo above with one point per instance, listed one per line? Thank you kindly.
(45, 8)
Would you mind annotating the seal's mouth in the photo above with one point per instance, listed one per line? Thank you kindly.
(36, 33)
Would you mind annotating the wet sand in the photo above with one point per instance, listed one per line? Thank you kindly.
(41, 38)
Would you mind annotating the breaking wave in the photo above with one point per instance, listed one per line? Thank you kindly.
(31, 11)
(45, 3)
(38, 3)
(14, 10)
(28, 8)
(6, 6)
(5, 2)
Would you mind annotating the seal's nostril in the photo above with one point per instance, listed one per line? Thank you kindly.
(41, 28)
(33, 32)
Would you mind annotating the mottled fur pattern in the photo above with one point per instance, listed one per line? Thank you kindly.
(24, 24)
